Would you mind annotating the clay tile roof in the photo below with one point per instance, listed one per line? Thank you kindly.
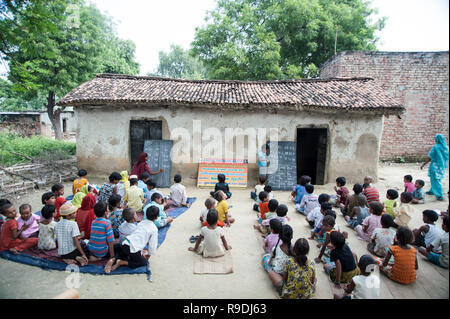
(351, 94)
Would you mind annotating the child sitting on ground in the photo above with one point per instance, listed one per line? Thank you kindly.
(214, 244)
(58, 190)
(134, 197)
(85, 215)
(80, 181)
(259, 187)
(404, 266)
(272, 206)
(10, 234)
(390, 204)
(323, 237)
(271, 240)
(299, 277)
(382, 238)
(123, 186)
(418, 193)
(109, 188)
(405, 211)
(163, 219)
(129, 252)
(276, 261)
(222, 208)
(142, 181)
(178, 192)
(315, 216)
(358, 214)
(151, 189)
(263, 206)
(440, 259)
(101, 241)
(409, 185)
(210, 203)
(353, 200)
(47, 235)
(3, 201)
(317, 226)
(49, 198)
(309, 201)
(428, 233)
(342, 192)
(370, 223)
(299, 191)
(342, 264)
(115, 213)
(221, 186)
(130, 224)
(364, 286)
(30, 219)
(371, 193)
(70, 248)
(268, 189)
(281, 211)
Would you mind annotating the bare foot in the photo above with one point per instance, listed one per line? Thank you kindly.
(116, 265)
(69, 261)
(14, 251)
(81, 260)
(93, 258)
(109, 265)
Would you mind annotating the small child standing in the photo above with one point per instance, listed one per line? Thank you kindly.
(382, 238)
(405, 211)
(70, 248)
(418, 193)
(309, 201)
(342, 192)
(109, 188)
(409, 185)
(222, 208)
(178, 192)
(440, 259)
(403, 269)
(275, 227)
(370, 223)
(259, 187)
(58, 190)
(390, 204)
(428, 233)
(210, 203)
(115, 213)
(30, 219)
(101, 240)
(134, 197)
(10, 238)
(130, 224)
(214, 244)
(364, 286)
(47, 235)
(80, 181)
(221, 186)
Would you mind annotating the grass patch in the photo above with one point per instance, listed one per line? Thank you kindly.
(36, 147)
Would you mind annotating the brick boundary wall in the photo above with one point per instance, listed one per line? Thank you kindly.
(418, 80)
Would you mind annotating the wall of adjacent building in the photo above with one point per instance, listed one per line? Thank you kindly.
(418, 80)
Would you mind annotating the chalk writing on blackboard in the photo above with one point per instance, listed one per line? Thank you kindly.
(159, 156)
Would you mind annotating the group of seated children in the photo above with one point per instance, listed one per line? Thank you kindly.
(87, 228)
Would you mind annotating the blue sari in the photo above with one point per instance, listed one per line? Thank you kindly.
(438, 166)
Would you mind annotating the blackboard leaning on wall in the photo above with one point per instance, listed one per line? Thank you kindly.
(282, 170)
(159, 152)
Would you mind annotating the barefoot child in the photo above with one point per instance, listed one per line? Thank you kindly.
(129, 252)
(390, 204)
(299, 191)
(315, 216)
(342, 192)
(409, 185)
(210, 203)
(382, 238)
(109, 188)
(272, 206)
(134, 197)
(275, 227)
(115, 213)
(130, 224)
(259, 187)
(30, 219)
(221, 186)
(309, 201)
(178, 192)
(163, 219)
(101, 240)
(276, 261)
(222, 208)
(10, 234)
(47, 235)
(318, 222)
(440, 259)
(58, 190)
(428, 233)
(214, 242)
(359, 213)
(418, 193)
(405, 211)
(370, 223)
(262, 206)
(70, 248)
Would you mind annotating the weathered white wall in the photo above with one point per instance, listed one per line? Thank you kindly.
(103, 134)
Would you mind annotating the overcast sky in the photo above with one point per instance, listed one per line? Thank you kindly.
(412, 25)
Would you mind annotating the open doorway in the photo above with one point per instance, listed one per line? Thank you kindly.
(141, 131)
(312, 153)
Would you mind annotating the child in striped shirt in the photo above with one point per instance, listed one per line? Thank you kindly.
(101, 240)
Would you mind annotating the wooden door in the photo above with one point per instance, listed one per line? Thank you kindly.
(139, 132)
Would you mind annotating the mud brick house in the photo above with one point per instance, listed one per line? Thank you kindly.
(418, 80)
(23, 123)
(336, 123)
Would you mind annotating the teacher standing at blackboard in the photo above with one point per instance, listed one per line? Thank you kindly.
(141, 166)
(263, 160)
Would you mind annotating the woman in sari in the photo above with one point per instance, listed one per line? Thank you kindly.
(141, 166)
(438, 157)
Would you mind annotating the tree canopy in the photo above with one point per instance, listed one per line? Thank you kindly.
(278, 39)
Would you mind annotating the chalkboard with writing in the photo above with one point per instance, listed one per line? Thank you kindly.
(282, 171)
(159, 152)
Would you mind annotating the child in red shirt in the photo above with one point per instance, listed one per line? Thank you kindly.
(58, 189)
(9, 237)
(263, 205)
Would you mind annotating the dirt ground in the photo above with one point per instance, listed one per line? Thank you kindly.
(172, 267)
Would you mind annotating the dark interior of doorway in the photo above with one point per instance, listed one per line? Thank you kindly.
(312, 153)
(141, 130)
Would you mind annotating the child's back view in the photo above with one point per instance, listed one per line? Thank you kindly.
(221, 186)
(178, 192)
(309, 201)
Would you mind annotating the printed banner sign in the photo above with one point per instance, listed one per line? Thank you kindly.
(234, 170)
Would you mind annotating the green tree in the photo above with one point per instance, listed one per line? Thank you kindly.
(278, 39)
(179, 63)
(11, 100)
(81, 42)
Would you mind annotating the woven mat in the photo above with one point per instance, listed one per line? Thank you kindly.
(216, 265)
